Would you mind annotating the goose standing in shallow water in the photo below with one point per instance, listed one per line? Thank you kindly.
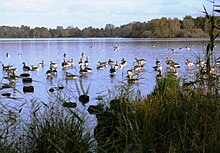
(112, 71)
(49, 73)
(41, 64)
(7, 54)
(159, 75)
(123, 63)
(80, 62)
(188, 63)
(116, 65)
(86, 63)
(157, 62)
(83, 71)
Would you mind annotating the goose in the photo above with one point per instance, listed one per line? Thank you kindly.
(41, 64)
(86, 61)
(8, 54)
(88, 69)
(25, 68)
(112, 71)
(5, 67)
(157, 62)
(83, 71)
(100, 67)
(49, 72)
(157, 68)
(188, 63)
(172, 70)
(123, 63)
(65, 64)
(71, 62)
(140, 61)
(159, 75)
(53, 65)
(34, 68)
(105, 63)
(82, 55)
(138, 67)
(80, 62)
(69, 76)
(130, 72)
(64, 55)
(116, 65)
(115, 48)
(110, 62)
(12, 71)
(172, 63)
(54, 72)
(199, 63)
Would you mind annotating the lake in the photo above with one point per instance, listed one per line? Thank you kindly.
(33, 51)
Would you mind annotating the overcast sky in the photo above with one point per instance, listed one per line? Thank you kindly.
(95, 13)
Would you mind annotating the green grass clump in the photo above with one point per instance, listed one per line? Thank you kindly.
(170, 119)
(57, 130)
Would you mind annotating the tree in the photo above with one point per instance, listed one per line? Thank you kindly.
(188, 22)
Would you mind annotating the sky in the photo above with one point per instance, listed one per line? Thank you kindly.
(95, 13)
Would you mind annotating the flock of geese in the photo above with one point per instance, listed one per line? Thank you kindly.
(83, 68)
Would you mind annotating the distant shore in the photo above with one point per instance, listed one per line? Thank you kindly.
(164, 27)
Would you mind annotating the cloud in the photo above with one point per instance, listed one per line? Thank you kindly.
(96, 13)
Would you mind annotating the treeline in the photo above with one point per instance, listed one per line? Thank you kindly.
(157, 28)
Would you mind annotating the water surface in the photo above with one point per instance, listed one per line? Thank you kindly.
(33, 51)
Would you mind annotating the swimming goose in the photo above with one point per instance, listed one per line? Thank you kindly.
(140, 61)
(69, 76)
(138, 67)
(88, 69)
(110, 62)
(25, 68)
(71, 62)
(5, 67)
(100, 67)
(53, 65)
(105, 63)
(34, 68)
